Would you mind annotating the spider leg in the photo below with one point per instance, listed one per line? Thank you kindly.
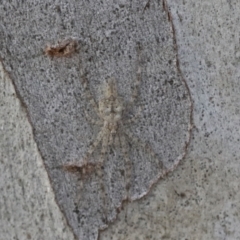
(146, 146)
(88, 93)
(135, 117)
(136, 86)
(105, 144)
(84, 167)
(116, 142)
(93, 146)
(92, 121)
(135, 91)
(128, 165)
(99, 171)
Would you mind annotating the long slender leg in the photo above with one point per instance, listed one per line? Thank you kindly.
(146, 146)
(99, 170)
(128, 165)
(92, 121)
(117, 141)
(105, 144)
(134, 118)
(88, 93)
(84, 167)
(135, 91)
(100, 137)
(128, 170)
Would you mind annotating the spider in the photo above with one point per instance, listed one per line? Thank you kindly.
(110, 111)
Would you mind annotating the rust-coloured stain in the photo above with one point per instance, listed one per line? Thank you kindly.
(63, 48)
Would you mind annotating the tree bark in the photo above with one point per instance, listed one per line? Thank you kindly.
(200, 199)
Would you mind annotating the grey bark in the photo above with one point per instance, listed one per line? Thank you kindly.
(194, 200)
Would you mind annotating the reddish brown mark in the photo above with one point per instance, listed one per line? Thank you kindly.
(62, 49)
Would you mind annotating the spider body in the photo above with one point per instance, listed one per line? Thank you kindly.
(111, 109)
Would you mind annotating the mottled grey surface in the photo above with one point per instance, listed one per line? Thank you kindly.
(27, 206)
(52, 92)
(200, 200)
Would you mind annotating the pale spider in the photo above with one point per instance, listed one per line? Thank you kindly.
(110, 110)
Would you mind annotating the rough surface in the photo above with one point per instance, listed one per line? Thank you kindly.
(27, 206)
(119, 40)
(200, 200)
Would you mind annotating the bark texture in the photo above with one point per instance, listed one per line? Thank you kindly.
(188, 203)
